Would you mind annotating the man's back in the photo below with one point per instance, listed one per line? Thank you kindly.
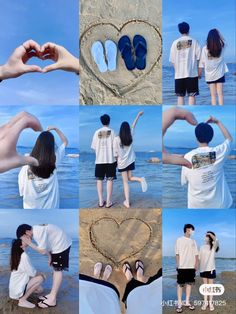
(184, 54)
(207, 186)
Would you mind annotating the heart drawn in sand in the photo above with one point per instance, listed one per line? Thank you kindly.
(121, 81)
(117, 240)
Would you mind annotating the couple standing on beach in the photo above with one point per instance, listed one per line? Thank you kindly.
(188, 259)
(189, 61)
(24, 279)
(112, 151)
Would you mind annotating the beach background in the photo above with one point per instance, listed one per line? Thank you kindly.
(222, 223)
(147, 145)
(117, 88)
(120, 242)
(211, 17)
(68, 297)
(66, 119)
(180, 139)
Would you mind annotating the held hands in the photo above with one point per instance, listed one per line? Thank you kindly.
(17, 63)
(140, 113)
(51, 128)
(211, 119)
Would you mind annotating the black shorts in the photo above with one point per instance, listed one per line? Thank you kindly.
(208, 274)
(220, 80)
(187, 85)
(129, 168)
(186, 276)
(60, 261)
(107, 171)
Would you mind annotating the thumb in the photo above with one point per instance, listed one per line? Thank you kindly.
(32, 68)
(51, 67)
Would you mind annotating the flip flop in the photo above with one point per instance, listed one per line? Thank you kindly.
(103, 204)
(140, 48)
(144, 185)
(139, 266)
(190, 306)
(42, 298)
(110, 205)
(111, 54)
(97, 270)
(107, 272)
(179, 309)
(127, 267)
(97, 52)
(47, 305)
(126, 50)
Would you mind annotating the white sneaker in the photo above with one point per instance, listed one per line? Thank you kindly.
(144, 184)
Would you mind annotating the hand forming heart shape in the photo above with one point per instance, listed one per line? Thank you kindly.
(17, 63)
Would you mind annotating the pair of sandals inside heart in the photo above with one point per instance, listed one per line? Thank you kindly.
(134, 56)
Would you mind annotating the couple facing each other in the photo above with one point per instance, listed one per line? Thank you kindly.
(189, 61)
(24, 278)
(115, 151)
(189, 259)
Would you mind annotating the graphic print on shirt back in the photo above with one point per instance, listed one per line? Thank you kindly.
(184, 44)
(38, 186)
(203, 159)
(104, 134)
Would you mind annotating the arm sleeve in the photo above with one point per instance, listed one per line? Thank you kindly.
(184, 178)
(93, 145)
(115, 147)
(224, 148)
(27, 266)
(21, 179)
(40, 236)
(172, 54)
(202, 59)
(60, 154)
(216, 244)
(177, 247)
(196, 249)
(198, 51)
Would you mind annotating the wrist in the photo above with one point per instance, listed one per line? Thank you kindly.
(2, 71)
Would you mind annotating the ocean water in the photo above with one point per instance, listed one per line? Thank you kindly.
(152, 173)
(39, 261)
(169, 273)
(204, 98)
(175, 195)
(68, 176)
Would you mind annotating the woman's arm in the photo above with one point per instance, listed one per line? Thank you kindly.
(223, 129)
(60, 134)
(137, 118)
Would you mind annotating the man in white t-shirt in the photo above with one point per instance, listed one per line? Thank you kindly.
(51, 241)
(102, 144)
(186, 264)
(207, 185)
(185, 54)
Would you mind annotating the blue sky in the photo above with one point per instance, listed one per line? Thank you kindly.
(202, 16)
(221, 222)
(65, 118)
(68, 220)
(181, 134)
(147, 132)
(42, 21)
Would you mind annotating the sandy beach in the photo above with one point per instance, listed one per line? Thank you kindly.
(226, 302)
(113, 236)
(68, 297)
(102, 20)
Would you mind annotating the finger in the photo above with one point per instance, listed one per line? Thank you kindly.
(51, 67)
(32, 68)
(176, 160)
(31, 44)
(48, 46)
(190, 118)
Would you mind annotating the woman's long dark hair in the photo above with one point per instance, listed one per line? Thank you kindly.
(215, 43)
(44, 152)
(16, 252)
(211, 240)
(125, 134)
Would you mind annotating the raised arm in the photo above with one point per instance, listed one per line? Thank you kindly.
(29, 242)
(60, 134)
(221, 126)
(137, 118)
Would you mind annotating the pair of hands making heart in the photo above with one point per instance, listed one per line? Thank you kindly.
(17, 63)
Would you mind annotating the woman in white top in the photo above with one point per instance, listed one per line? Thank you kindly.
(212, 60)
(207, 264)
(39, 184)
(24, 279)
(124, 152)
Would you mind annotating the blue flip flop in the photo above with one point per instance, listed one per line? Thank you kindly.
(126, 50)
(111, 54)
(140, 48)
(97, 52)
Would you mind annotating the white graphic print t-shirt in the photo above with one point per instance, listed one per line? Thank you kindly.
(185, 53)
(103, 145)
(39, 193)
(215, 68)
(207, 186)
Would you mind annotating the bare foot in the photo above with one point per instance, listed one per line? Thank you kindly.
(126, 204)
(26, 304)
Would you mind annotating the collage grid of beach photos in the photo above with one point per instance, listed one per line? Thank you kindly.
(117, 157)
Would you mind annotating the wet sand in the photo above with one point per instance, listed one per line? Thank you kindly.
(102, 20)
(112, 236)
(68, 297)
